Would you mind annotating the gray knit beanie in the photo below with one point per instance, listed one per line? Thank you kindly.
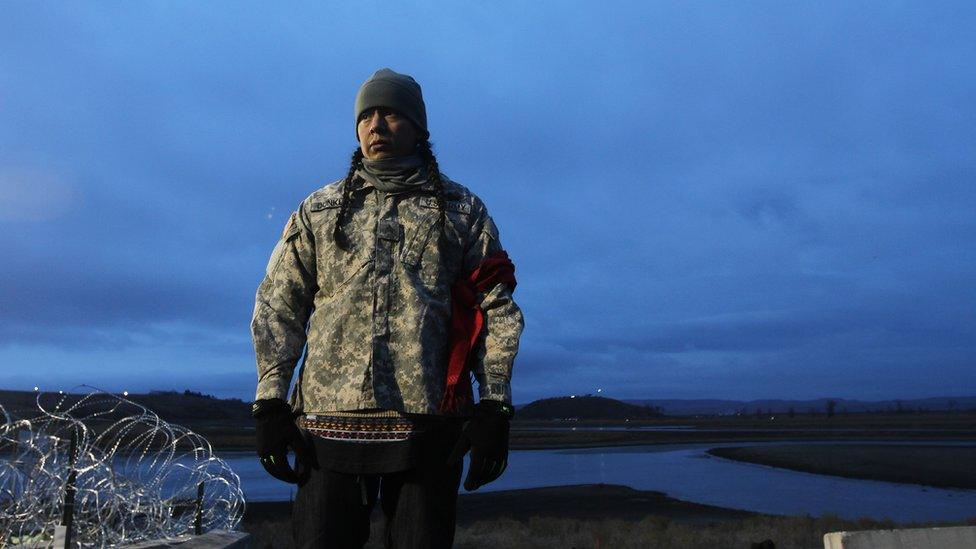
(400, 92)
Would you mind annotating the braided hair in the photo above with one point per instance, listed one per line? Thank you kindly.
(425, 150)
(338, 235)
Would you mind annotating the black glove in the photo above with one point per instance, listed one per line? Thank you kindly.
(486, 434)
(276, 431)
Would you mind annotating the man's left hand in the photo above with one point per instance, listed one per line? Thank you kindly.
(486, 434)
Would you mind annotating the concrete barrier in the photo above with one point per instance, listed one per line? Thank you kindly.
(955, 537)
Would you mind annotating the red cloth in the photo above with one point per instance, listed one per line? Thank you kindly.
(467, 319)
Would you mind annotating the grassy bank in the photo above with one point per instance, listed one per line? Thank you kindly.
(652, 531)
(656, 532)
(592, 516)
(942, 466)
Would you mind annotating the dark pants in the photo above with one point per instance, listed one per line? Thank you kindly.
(332, 509)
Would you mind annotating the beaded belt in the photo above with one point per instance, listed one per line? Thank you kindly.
(366, 426)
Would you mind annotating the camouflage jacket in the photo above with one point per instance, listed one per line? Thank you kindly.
(375, 317)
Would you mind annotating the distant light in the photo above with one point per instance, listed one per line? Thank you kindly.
(36, 388)
(60, 392)
(599, 390)
(572, 396)
(125, 393)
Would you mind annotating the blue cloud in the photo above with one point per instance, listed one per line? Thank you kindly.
(729, 197)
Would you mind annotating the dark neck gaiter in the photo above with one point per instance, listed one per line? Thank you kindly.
(395, 175)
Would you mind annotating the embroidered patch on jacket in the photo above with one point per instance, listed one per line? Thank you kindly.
(451, 206)
(325, 203)
(291, 227)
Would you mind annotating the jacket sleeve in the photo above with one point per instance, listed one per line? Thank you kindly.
(494, 354)
(282, 307)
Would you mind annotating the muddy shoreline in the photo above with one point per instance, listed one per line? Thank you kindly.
(929, 465)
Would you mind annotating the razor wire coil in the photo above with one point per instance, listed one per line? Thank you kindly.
(135, 477)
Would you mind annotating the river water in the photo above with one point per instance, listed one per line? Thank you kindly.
(686, 472)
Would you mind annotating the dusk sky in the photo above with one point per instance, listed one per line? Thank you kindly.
(702, 200)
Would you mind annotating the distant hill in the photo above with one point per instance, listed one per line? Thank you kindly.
(584, 407)
(714, 407)
(188, 408)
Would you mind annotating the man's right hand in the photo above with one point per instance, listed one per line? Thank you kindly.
(276, 431)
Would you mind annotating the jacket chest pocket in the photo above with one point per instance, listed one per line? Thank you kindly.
(336, 266)
(419, 232)
(430, 259)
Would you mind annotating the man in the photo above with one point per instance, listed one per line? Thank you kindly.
(393, 283)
